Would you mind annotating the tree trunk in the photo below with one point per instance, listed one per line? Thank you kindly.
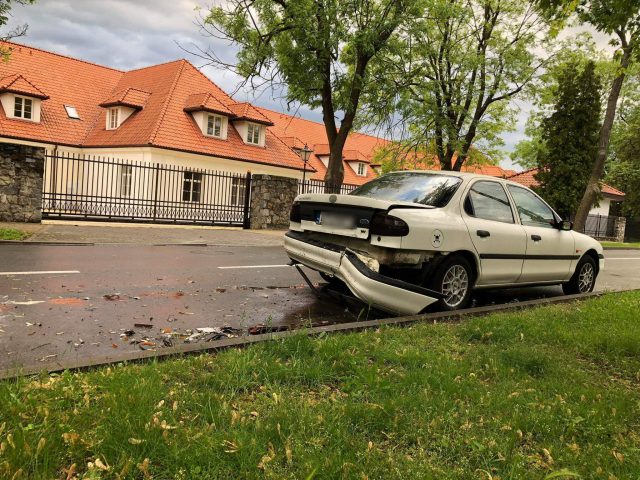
(593, 185)
(335, 171)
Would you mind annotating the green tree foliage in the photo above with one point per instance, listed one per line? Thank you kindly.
(448, 79)
(320, 50)
(570, 139)
(624, 164)
(621, 20)
(575, 52)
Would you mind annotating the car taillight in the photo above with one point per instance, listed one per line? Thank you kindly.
(388, 225)
(295, 215)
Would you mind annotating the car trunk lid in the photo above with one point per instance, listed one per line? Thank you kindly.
(344, 215)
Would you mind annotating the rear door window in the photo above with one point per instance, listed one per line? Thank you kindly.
(489, 201)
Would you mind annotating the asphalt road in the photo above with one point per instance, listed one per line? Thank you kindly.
(70, 303)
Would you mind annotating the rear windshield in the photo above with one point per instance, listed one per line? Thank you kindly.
(425, 188)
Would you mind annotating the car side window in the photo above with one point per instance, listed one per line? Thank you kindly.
(489, 201)
(531, 209)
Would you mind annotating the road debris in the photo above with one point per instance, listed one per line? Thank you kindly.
(111, 296)
(143, 325)
(261, 328)
(29, 302)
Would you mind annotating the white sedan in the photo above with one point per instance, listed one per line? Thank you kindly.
(414, 239)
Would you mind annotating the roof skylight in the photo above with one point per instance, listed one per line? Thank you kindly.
(72, 112)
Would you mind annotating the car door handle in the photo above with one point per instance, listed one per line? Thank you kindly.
(536, 238)
(483, 233)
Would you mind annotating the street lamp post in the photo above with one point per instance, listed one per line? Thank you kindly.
(305, 153)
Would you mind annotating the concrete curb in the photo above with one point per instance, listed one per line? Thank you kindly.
(621, 248)
(336, 328)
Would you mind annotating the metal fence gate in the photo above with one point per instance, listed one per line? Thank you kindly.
(319, 186)
(103, 189)
(600, 226)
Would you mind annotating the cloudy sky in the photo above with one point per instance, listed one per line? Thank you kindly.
(128, 34)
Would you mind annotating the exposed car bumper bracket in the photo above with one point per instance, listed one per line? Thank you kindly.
(378, 290)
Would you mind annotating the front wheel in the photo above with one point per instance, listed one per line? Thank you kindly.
(454, 279)
(583, 279)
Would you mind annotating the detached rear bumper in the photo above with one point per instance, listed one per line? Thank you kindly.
(384, 293)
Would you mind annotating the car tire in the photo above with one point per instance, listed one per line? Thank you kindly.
(454, 278)
(583, 279)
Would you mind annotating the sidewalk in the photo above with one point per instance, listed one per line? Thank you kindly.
(119, 233)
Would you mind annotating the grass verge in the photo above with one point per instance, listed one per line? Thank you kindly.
(13, 234)
(545, 393)
(621, 244)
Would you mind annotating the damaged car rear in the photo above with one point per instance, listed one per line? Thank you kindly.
(407, 241)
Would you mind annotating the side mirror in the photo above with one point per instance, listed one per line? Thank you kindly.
(565, 225)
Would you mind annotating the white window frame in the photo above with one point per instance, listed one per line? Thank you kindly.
(20, 112)
(114, 114)
(126, 174)
(254, 132)
(189, 181)
(362, 170)
(211, 122)
(238, 190)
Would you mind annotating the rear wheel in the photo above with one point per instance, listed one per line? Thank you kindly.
(454, 279)
(583, 279)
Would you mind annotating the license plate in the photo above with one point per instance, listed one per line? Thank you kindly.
(335, 220)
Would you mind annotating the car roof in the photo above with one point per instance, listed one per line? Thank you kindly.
(451, 173)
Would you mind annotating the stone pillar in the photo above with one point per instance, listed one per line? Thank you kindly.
(271, 199)
(619, 228)
(21, 172)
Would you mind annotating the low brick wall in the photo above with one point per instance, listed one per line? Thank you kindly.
(271, 199)
(21, 172)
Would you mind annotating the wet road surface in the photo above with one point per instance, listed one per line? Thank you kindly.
(70, 303)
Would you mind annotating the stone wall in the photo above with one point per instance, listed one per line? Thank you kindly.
(619, 229)
(271, 199)
(21, 171)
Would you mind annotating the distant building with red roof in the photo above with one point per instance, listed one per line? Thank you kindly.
(167, 113)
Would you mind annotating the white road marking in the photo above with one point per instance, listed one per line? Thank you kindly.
(253, 266)
(43, 272)
(622, 258)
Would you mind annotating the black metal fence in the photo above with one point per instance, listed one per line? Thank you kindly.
(320, 186)
(600, 226)
(97, 188)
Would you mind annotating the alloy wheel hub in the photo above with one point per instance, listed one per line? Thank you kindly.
(455, 284)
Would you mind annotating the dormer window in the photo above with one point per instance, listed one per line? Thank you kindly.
(253, 133)
(23, 107)
(113, 118)
(362, 169)
(214, 126)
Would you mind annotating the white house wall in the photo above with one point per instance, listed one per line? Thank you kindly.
(602, 208)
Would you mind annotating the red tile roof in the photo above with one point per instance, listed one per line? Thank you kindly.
(127, 97)
(527, 178)
(18, 84)
(246, 111)
(161, 93)
(206, 102)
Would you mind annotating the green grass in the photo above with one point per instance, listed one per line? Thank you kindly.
(13, 234)
(547, 393)
(621, 244)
